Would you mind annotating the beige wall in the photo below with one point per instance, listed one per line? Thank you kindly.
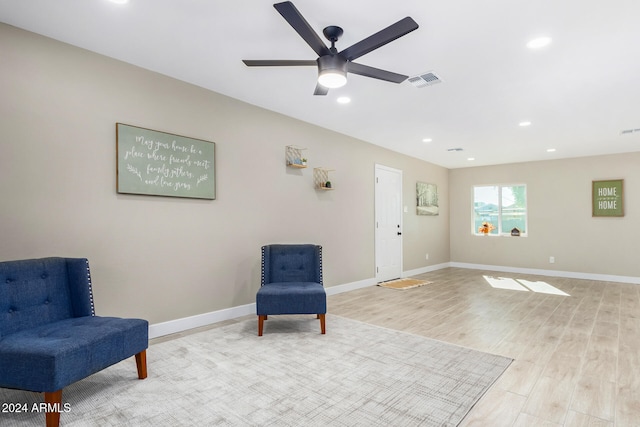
(168, 258)
(559, 217)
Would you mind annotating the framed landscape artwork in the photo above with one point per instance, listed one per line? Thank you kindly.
(426, 199)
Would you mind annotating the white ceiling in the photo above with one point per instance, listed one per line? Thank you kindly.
(579, 93)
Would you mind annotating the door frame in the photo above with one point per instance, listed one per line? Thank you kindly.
(375, 219)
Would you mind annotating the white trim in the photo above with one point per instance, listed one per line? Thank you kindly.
(333, 290)
(186, 323)
(204, 319)
(180, 325)
(426, 269)
(556, 273)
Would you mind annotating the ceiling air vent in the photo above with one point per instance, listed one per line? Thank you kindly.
(628, 131)
(454, 149)
(425, 79)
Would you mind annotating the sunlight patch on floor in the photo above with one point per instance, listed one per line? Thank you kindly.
(523, 285)
(505, 283)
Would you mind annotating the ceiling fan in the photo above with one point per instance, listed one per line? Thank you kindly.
(333, 65)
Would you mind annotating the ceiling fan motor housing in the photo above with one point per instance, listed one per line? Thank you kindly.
(332, 62)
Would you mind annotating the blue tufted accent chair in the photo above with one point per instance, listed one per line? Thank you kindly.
(50, 336)
(291, 283)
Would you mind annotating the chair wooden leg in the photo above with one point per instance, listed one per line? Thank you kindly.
(261, 319)
(141, 363)
(53, 400)
(322, 323)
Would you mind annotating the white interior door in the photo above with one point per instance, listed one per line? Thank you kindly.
(388, 223)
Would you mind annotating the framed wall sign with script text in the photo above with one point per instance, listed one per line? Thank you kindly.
(162, 164)
(607, 198)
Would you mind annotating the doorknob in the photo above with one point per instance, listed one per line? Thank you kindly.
(399, 233)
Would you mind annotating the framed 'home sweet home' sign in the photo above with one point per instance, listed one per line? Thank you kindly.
(607, 198)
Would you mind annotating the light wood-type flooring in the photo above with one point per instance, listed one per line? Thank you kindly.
(576, 343)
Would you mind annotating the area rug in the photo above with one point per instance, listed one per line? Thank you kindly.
(355, 375)
(403, 283)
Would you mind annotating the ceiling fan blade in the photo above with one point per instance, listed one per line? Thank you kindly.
(321, 90)
(376, 73)
(302, 27)
(278, 63)
(382, 37)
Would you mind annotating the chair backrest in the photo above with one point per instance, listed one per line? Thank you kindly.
(35, 292)
(291, 263)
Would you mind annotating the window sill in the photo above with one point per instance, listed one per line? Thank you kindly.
(498, 235)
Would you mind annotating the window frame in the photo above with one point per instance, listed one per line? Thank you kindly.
(500, 232)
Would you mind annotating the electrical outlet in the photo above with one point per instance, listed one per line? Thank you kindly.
(552, 259)
(426, 256)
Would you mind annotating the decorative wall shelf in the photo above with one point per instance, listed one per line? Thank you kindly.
(321, 178)
(294, 157)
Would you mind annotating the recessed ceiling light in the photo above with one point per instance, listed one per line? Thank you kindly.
(524, 124)
(539, 42)
(550, 150)
(427, 140)
(344, 100)
(119, 1)
(471, 158)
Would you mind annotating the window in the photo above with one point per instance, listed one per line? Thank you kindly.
(502, 206)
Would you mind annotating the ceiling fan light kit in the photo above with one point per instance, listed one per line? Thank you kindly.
(333, 66)
(332, 71)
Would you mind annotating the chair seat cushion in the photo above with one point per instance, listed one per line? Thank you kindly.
(52, 356)
(291, 298)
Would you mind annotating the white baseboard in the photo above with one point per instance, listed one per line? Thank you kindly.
(180, 325)
(186, 323)
(333, 290)
(556, 273)
(426, 269)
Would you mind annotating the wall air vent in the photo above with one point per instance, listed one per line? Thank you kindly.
(428, 78)
(454, 149)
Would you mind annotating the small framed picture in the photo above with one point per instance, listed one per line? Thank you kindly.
(607, 198)
(427, 199)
